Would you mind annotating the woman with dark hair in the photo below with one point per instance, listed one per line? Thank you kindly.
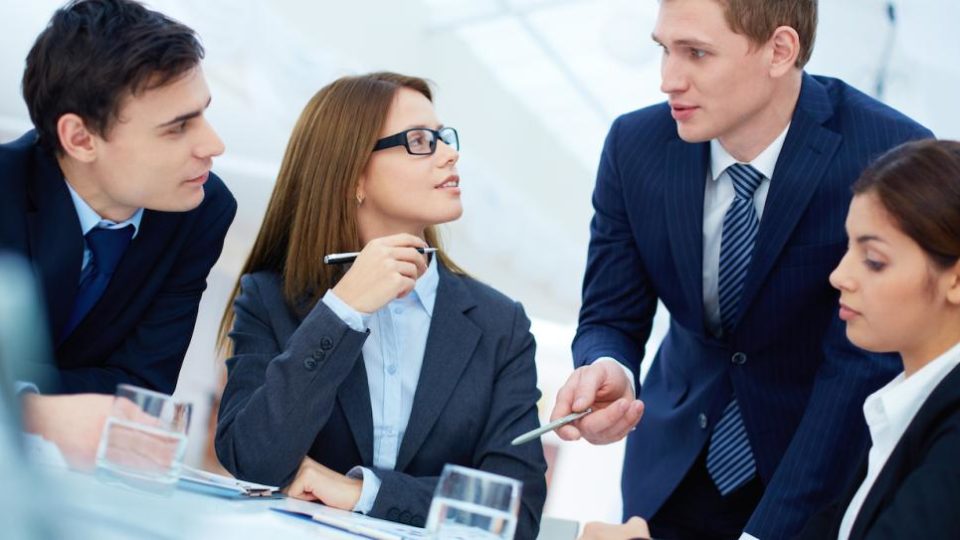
(353, 385)
(900, 291)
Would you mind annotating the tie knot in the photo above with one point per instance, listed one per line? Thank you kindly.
(745, 178)
(108, 246)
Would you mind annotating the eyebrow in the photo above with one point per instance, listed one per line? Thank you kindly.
(695, 43)
(186, 116)
(870, 238)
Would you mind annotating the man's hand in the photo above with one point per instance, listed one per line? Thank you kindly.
(314, 482)
(633, 529)
(604, 387)
(73, 423)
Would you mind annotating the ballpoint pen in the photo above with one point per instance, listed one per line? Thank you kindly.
(343, 258)
(533, 434)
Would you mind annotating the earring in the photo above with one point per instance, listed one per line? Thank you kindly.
(359, 199)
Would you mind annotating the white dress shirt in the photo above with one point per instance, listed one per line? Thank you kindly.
(392, 356)
(888, 412)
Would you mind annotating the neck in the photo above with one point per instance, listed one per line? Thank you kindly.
(931, 346)
(83, 179)
(748, 140)
(372, 228)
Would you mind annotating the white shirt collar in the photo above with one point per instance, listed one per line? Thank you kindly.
(766, 162)
(89, 218)
(898, 402)
(426, 287)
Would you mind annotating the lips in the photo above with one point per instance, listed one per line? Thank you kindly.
(452, 181)
(847, 313)
(200, 180)
(682, 111)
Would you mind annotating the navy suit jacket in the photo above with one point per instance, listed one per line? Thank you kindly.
(798, 380)
(917, 493)
(139, 330)
(297, 387)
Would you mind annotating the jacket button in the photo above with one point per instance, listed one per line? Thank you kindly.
(418, 521)
(405, 517)
(310, 364)
(703, 421)
(393, 514)
(739, 358)
(326, 343)
(319, 355)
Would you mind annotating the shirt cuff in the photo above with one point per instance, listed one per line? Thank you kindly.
(23, 387)
(626, 371)
(357, 320)
(369, 491)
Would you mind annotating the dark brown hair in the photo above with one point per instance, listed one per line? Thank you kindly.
(93, 54)
(918, 183)
(313, 210)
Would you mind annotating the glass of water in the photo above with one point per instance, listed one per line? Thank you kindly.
(144, 440)
(470, 504)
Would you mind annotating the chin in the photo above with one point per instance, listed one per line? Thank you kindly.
(693, 134)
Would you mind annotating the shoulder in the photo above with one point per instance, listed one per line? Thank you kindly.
(490, 303)
(648, 125)
(262, 286)
(15, 157)
(217, 198)
(857, 114)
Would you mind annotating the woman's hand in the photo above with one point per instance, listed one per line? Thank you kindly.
(314, 482)
(387, 268)
(634, 528)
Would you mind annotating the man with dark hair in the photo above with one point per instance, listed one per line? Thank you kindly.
(111, 196)
(727, 204)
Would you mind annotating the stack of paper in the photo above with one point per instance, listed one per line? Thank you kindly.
(223, 486)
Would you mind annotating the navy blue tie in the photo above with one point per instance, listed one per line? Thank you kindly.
(107, 247)
(730, 460)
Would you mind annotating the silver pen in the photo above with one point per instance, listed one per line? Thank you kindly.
(535, 433)
(343, 258)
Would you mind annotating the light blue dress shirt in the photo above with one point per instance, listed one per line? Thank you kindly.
(392, 356)
(89, 219)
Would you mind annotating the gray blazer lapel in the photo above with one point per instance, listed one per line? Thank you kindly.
(354, 398)
(450, 344)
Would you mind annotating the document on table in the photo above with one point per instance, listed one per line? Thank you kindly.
(223, 486)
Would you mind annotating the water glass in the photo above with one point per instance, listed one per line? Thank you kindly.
(144, 440)
(470, 504)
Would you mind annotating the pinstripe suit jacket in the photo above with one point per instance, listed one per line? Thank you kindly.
(799, 381)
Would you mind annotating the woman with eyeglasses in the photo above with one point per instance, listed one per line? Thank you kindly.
(354, 384)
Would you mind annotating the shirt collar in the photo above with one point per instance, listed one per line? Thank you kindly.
(902, 397)
(426, 287)
(766, 162)
(90, 219)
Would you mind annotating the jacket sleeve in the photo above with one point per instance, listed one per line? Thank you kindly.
(619, 302)
(513, 411)
(279, 396)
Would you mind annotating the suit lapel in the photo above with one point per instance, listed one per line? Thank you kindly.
(450, 344)
(56, 242)
(354, 398)
(684, 179)
(803, 162)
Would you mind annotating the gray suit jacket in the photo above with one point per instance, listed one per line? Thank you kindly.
(297, 387)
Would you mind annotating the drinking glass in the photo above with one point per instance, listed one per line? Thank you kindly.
(470, 504)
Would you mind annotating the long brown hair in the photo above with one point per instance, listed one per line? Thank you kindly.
(313, 210)
(918, 183)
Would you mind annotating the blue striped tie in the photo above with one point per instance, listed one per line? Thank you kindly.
(730, 460)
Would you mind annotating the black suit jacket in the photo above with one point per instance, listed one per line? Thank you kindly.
(917, 494)
(297, 387)
(139, 330)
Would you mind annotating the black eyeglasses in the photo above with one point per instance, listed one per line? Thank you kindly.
(420, 141)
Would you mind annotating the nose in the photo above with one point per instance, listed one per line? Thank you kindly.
(447, 155)
(209, 143)
(841, 278)
(673, 79)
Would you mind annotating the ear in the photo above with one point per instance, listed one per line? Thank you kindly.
(361, 192)
(953, 284)
(785, 46)
(77, 141)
